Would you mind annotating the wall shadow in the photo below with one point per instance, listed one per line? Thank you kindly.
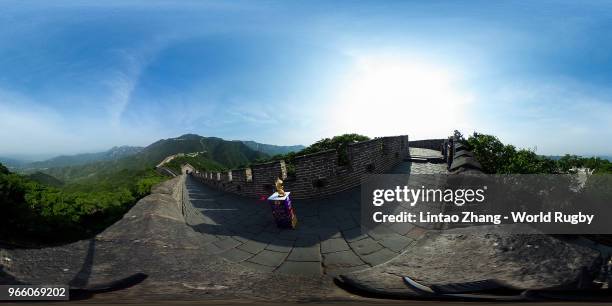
(225, 215)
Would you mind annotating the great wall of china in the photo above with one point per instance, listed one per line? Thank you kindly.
(188, 233)
(320, 174)
(316, 175)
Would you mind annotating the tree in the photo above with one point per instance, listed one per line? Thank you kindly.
(496, 157)
(339, 143)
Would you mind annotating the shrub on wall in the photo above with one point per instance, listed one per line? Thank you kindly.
(496, 157)
(339, 143)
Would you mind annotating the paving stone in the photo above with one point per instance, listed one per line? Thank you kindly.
(381, 256)
(280, 245)
(221, 230)
(365, 246)
(288, 235)
(396, 244)
(341, 260)
(327, 233)
(344, 270)
(236, 255)
(306, 230)
(402, 228)
(311, 253)
(227, 243)
(327, 236)
(208, 238)
(268, 258)
(347, 224)
(241, 238)
(334, 245)
(257, 267)
(416, 233)
(211, 249)
(381, 232)
(307, 240)
(310, 219)
(303, 214)
(353, 234)
(300, 268)
(265, 237)
(253, 247)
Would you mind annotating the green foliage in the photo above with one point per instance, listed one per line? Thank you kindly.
(200, 162)
(491, 153)
(35, 212)
(221, 153)
(568, 162)
(496, 157)
(144, 184)
(45, 179)
(3, 169)
(96, 194)
(599, 165)
(339, 143)
(528, 162)
(606, 168)
(272, 149)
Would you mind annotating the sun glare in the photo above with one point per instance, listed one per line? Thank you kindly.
(391, 96)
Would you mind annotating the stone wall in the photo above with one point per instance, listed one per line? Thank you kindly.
(315, 175)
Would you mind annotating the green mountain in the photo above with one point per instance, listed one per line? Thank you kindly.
(225, 152)
(558, 157)
(272, 149)
(82, 159)
(218, 153)
(45, 179)
(13, 163)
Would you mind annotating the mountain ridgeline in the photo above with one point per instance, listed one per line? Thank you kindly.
(75, 197)
(224, 152)
(273, 149)
(82, 159)
(209, 153)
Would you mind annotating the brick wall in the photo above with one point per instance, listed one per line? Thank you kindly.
(316, 175)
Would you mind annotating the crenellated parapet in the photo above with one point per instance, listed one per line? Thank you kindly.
(314, 175)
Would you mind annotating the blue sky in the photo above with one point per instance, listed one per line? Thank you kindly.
(79, 76)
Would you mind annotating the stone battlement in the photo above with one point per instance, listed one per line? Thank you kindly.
(315, 175)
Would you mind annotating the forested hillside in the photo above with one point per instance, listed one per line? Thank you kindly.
(272, 149)
(497, 157)
(219, 152)
(40, 214)
(82, 159)
(66, 203)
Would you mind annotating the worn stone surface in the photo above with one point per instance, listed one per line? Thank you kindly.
(153, 239)
(477, 253)
(325, 226)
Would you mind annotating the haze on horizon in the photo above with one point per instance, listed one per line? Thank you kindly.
(79, 76)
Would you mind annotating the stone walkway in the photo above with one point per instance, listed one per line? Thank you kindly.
(328, 239)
